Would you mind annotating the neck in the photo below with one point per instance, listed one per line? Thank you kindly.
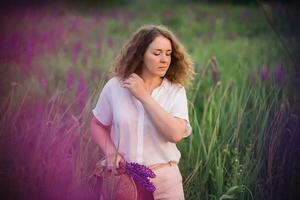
(151, 82)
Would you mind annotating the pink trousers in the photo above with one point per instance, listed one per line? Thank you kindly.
(168, 182)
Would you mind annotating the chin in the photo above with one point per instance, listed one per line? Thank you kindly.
(161, 75)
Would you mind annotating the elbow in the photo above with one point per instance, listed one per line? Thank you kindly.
(178, 133)
(177, 137)
(95, 124)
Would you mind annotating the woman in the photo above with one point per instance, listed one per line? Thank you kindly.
(142, 111)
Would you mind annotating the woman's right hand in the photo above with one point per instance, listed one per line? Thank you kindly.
(114, 161)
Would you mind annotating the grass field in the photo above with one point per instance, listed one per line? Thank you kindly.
(56, 60)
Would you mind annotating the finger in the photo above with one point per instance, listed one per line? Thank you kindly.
(127, 82)
(126, 85)
(122, 162)
(131, 78)
(135, 75)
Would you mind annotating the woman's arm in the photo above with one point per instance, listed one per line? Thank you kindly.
(101, 136)
(172, 128)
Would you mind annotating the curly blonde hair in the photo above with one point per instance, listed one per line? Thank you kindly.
(130, 59)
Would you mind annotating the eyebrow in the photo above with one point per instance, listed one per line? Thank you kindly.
(161, 49)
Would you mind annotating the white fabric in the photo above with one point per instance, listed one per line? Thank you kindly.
(132, 130)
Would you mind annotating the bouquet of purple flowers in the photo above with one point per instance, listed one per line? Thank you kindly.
(129, 181)
(141, 175)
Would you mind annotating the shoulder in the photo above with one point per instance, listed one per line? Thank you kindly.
(175, 87)
(113, 83)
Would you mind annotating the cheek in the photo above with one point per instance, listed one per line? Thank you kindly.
(151, 60)
(168, 60)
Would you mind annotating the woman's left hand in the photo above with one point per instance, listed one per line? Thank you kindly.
(136, 86)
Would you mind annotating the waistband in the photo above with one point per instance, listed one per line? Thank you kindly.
(159, 165)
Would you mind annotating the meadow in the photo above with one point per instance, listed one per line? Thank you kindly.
(56, 60)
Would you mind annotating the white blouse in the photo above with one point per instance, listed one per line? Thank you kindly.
(133, 132)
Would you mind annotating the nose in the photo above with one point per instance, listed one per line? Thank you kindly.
(163, 58)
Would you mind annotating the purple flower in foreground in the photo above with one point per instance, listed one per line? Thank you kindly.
(141, 175)
(264, 73)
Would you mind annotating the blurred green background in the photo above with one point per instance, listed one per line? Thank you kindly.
(242, 102)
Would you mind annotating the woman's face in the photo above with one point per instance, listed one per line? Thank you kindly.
(157, 57)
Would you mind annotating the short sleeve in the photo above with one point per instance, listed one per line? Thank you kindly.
(180, 110)
(103, 109)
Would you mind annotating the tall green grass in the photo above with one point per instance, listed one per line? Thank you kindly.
(224, 157)
(47, 129)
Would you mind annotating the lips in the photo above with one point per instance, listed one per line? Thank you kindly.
(162, 68)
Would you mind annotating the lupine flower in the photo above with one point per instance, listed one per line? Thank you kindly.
(141, 174)
(94, 74)
(279, 75)
(70, 79)
(82, 92)
(43, 81)
(214, 71)
(214, 74)
(74, 25)
(75, 51)
(82, 86)
(28, 56)
(264, 73)
(98, 48)
(110, 42)
(85, 56)
(96, 19)
(210, 35)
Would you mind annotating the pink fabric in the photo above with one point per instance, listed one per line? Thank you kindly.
(168, 183)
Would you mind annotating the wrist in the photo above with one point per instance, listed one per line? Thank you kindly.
(111, 153)
(146, 98)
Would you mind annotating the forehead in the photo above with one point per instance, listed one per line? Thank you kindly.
(160, 42)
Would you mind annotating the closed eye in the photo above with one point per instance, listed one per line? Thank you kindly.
(157, 54)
